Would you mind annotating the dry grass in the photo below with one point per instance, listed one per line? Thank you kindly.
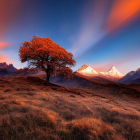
(30, 110)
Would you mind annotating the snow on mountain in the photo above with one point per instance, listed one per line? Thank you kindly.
(112, 72)
(87, 70)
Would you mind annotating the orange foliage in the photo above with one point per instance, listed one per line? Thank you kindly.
(44, 53)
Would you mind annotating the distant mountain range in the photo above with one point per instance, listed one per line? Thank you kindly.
(6, 69)
(112, 74)
(10, 70)
(87, 77)
(84, 72)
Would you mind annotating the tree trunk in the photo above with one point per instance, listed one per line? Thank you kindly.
(47, 77)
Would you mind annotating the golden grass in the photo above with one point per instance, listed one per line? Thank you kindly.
(30, 110)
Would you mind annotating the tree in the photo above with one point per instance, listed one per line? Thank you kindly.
(44, 53)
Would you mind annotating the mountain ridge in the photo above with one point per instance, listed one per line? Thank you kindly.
(131, 77)
(7, 70)
(87, 70)
(112, 74)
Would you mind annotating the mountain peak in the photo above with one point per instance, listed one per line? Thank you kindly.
(112, 68)
(10, 67)
(87, 70)
(3, 64)
(83, 67)
(113, 72)
(138, 69)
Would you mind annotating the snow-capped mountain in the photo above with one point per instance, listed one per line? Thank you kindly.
(87, 70)
(113, 72)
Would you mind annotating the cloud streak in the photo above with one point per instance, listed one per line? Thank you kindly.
(121, 12)
(92, 24)
(98, 21)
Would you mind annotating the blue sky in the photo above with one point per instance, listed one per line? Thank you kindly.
(99, 33)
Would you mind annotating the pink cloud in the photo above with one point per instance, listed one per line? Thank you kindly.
(3, 57)
(3, 45)
(102, 67)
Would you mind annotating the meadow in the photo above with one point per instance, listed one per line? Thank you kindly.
(31, 110)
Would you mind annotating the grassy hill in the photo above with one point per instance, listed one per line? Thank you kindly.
(30, 110)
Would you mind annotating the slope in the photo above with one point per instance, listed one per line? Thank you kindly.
(30, 110)
(133, 77)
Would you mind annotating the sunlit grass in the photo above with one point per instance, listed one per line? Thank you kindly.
(30, 110)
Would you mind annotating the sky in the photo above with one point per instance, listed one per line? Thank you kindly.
(99, 33)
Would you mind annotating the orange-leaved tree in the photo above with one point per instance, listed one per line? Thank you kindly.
(44, 53)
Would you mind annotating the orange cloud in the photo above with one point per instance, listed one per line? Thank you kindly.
(5, 58)
(122, 11)
(3, 45)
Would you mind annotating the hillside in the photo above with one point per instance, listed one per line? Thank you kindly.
(131, 77)
(28, 72)
(78, 81)
(30, 110)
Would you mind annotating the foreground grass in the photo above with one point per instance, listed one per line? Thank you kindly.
(30, 110)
